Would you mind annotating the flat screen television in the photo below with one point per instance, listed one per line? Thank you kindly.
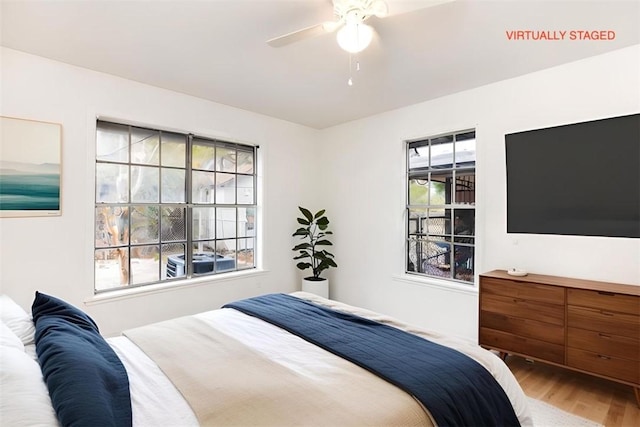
(580, 179)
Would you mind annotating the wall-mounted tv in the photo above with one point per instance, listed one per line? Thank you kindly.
(580, 179)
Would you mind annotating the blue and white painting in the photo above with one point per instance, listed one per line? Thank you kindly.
(30, 168)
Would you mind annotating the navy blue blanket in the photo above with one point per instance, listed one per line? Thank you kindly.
(456, 389)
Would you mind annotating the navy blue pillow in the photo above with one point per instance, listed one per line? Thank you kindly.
(87, 382)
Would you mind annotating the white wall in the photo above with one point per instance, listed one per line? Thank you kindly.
(54, 255)
(365, 191)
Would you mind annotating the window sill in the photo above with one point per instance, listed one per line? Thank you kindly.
(121, 294)
(432, 282)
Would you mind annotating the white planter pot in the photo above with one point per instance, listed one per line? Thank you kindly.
(318, 287)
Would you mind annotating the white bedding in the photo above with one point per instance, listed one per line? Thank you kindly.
(156, 402)
(154, 399)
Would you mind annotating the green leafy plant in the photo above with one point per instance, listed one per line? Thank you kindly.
(313, 232)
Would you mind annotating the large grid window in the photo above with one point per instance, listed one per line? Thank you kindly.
(440, 229)
(170, 206)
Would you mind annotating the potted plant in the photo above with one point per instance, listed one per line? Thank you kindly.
(313, 231)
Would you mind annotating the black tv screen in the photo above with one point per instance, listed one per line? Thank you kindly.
(580, 179)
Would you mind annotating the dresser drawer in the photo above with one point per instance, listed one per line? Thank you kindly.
(525, 327)
(622, 369)
(608, 322)
(529, 291)
(606, 344)
(524, 308)
(607, 301)
(527, 346)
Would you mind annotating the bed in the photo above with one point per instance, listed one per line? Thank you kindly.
(243, 365)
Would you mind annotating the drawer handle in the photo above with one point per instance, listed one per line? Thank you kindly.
(606, 293)
(604, 357)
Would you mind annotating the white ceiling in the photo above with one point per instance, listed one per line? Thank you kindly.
(217, 50)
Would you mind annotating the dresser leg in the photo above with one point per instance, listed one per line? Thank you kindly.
(637, 392)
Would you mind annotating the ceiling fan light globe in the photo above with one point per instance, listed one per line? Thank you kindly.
(355, 37)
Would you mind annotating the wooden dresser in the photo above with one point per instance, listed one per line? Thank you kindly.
(584, 325)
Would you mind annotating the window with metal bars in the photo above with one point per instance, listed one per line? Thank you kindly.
(440, 229)
(170, 206)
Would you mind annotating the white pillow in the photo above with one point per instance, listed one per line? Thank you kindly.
(9, 339)
(18, 320)
(24, 398)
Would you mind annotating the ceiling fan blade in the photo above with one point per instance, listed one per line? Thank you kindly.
(398, 7)
(378, 8)
(312, 31)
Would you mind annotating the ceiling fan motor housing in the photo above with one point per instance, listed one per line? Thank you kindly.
(354, 11)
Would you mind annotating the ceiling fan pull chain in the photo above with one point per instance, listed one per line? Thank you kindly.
(351, 59)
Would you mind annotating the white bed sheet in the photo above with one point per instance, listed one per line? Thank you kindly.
(156, 401)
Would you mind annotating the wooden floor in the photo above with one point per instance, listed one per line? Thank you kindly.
(596, 399)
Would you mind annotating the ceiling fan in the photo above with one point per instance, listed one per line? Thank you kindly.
(350, 16)
(353, 34)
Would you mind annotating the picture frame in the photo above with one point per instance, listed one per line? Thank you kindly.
(30, 168)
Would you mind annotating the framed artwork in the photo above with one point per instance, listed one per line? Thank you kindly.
(30, 168)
